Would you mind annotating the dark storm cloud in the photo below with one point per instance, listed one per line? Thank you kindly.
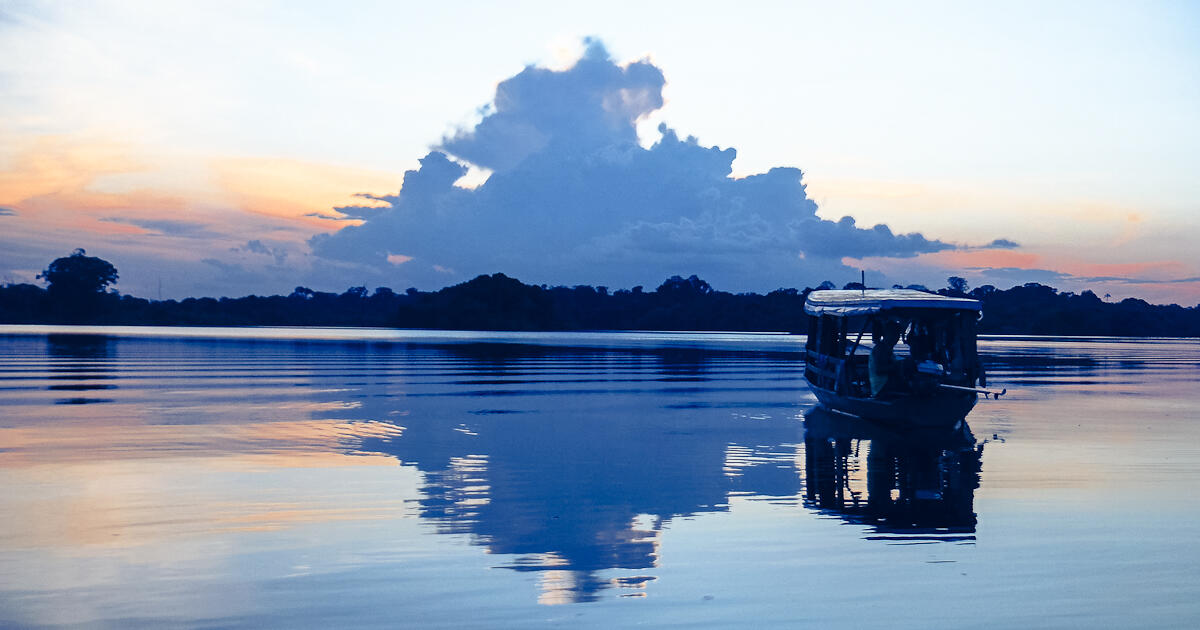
(167, 227)
(326, 216)
(256, 246)
(1000, 243)
(353, 213)
(224, 267)
(574, 198)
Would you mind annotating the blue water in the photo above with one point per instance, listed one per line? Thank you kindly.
(350, 478)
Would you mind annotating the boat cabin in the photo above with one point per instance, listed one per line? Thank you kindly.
(902, 346)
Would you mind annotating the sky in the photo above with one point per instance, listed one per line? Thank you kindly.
(251, 147)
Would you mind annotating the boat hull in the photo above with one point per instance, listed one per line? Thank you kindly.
(945, 409)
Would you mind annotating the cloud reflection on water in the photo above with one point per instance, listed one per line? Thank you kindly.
(563, 461)
(256, 474)
(569, 462)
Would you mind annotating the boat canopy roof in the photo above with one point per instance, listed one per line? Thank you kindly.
(851, 302)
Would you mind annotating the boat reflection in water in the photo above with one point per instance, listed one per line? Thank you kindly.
(911, 485)
(528, 465)
(569, 466)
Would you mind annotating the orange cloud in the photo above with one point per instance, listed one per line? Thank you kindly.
(1158, 281)
(53, 165)
(63, 189)
(1157, 270)
(1150, 270)
(80, 173)
(293, 189)
(960, 210)
(984, 258)
(949, 259)
(93, 192)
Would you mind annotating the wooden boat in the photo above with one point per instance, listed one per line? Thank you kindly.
(895, 355)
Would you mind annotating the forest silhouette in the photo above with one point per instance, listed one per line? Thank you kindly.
(78, 293)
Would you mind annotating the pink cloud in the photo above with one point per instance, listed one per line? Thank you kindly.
(984, 258)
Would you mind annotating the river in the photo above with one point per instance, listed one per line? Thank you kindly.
(379, 478)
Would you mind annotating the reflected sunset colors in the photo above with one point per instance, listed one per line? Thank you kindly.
(236, 482)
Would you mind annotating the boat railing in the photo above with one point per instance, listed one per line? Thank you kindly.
(842, 375)
(824, 370)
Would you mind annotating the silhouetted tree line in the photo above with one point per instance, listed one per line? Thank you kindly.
(78, 292)
(1037, 309)
(500, 302)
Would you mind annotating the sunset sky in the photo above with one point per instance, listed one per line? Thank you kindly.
(212, 148)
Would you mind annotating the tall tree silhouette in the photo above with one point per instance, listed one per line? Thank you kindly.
(78, 284)
(957, 285)
(79, 274)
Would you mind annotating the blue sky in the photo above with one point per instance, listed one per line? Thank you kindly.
(167, 136)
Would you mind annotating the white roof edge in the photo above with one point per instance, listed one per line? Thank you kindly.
(856, 302)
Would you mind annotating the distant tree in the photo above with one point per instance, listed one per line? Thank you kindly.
(957, 284)
(982, 292)
(355, 293)
(826, 285)
(383, 292)
(304, 293)
(495, 302)
(854, 286)
(676, 285)
(22, 304)
(78, 291)
(79, 275)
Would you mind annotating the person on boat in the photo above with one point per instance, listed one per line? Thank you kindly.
(920, 343)
(882, 364)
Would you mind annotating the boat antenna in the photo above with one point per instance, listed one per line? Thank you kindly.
(863, 284)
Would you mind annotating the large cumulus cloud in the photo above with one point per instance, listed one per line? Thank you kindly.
(574, 198)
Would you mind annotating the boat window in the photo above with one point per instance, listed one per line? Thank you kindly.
(830, 335)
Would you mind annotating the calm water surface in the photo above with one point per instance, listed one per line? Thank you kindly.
(322, 478)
